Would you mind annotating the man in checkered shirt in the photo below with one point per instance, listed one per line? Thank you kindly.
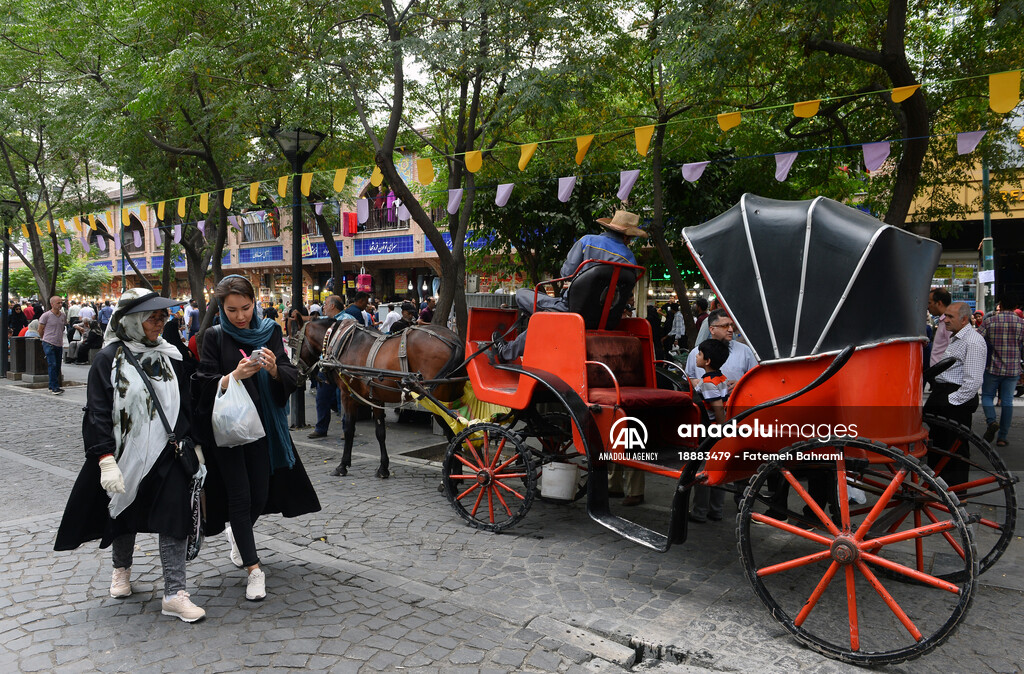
(1005, 332)
(955, 393)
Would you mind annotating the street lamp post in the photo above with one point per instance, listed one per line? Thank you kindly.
(297, 145)
(9, 208)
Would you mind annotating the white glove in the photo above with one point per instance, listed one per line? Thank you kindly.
(199, 455)
(110, 476)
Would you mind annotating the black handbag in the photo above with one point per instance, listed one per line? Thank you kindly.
(184, 450)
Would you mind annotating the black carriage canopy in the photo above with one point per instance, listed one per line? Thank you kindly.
(807, 277)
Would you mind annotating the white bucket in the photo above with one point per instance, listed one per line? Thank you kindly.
(558, 481)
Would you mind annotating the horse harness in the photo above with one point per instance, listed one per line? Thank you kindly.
(339, 336)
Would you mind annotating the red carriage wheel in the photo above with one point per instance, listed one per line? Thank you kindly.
(488, 476)
(814, 560)
(988, 496)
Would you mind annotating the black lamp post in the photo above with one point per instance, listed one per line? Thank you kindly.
(9, 208)
(297, 145)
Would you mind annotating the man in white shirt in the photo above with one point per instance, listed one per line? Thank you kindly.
(955, 393)
(86, 312)
(389, 320)
(939, 300)
(741, 358)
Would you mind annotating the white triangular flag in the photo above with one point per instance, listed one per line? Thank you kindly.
(503, 193)
(565, 186)
(137, 238)
(177, 233)
(363, 210)
(157, 240)
(319, 207)
(403, 213)
(626, 181)
(693, 171)
(783, 162)
(967, 141)
(454, 200)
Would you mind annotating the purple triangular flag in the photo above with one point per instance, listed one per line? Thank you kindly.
(202, 227)
(626, 181)
(319, 207)
(875, 154)
(783, 162)
(85, 243)
(454, 200)
(693, 171)
(102, 243)
(67, 246)
(503, 193)
(24, 249)
(117, 242)
(565, 186)
(137, 238)
(362, 210)
(177, 233)
(967, 141)
(157, 241)
(403, 213)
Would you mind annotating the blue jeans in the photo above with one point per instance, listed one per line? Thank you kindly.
(1006, 387)
(326, 400)
(53, 357)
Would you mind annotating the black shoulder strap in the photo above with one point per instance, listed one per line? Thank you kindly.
(152, 394)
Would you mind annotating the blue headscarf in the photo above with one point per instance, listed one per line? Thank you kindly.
(275, 419)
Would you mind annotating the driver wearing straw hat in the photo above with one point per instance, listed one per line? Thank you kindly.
(612, 245)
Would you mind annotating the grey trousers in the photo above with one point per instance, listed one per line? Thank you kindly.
(172, 559)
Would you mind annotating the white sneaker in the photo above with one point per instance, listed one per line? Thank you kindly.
(236, 556)
(120, 583)
(180, 606)
(256, 586)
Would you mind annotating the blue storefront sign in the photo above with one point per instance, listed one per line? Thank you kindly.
(470, 244)
(261, 254)
(383, 245)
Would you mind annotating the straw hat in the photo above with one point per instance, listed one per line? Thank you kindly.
(623, 222)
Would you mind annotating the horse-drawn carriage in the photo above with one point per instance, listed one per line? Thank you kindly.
(856, 546)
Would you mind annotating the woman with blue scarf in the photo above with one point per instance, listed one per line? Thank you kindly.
(265, 476)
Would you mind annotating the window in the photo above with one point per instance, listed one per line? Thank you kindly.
(257, 226)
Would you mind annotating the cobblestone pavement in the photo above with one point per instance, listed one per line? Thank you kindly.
(387, 578)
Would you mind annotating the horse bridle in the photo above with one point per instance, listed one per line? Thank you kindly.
(305, 370)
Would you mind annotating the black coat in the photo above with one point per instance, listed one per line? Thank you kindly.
(162, 502)
(290, 491)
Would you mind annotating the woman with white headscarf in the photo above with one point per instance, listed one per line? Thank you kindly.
(134, 480)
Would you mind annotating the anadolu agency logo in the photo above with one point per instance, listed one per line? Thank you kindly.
(628, 438)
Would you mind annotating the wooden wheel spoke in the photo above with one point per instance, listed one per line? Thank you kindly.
(509, 489)
(476, 506)
(811, 503)
(883, 500)
(889, 601)
(915, 533)
(475, 485)
(851, 608)
(507, 463)
(490, 503)
(467, 464)
(785, 526)
(795, 563)
(911, 573)
(472, 450)
(497, 453)
(497, 493)
(812, 601)
(945, 534)
(919, 542)
(844, 498)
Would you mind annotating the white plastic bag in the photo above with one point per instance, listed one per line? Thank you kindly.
(235, 419)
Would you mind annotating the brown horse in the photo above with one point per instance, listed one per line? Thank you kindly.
(430, 350)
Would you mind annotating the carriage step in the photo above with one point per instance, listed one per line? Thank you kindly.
(633, 531)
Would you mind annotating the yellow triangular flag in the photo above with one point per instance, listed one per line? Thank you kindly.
(24, 230)
(806, 108)
(582, 145)
(282, 186)
(92, 221)
(63, 227)
(424, 171)
(143, 213)
(204, 202)
(160, 210)
(376, 178)
(254, 192)
(227, 197)
(643, 138)
(125, 217)
(900, 94)
(181, 207)
(1004, 91)
(526, 154)
(110, 221)
(474, 160)
(339, 179)
(307, 180)
(729, 120)
(78, 224)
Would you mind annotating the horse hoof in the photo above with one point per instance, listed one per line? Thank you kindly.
(383, 473)
(340, 471)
